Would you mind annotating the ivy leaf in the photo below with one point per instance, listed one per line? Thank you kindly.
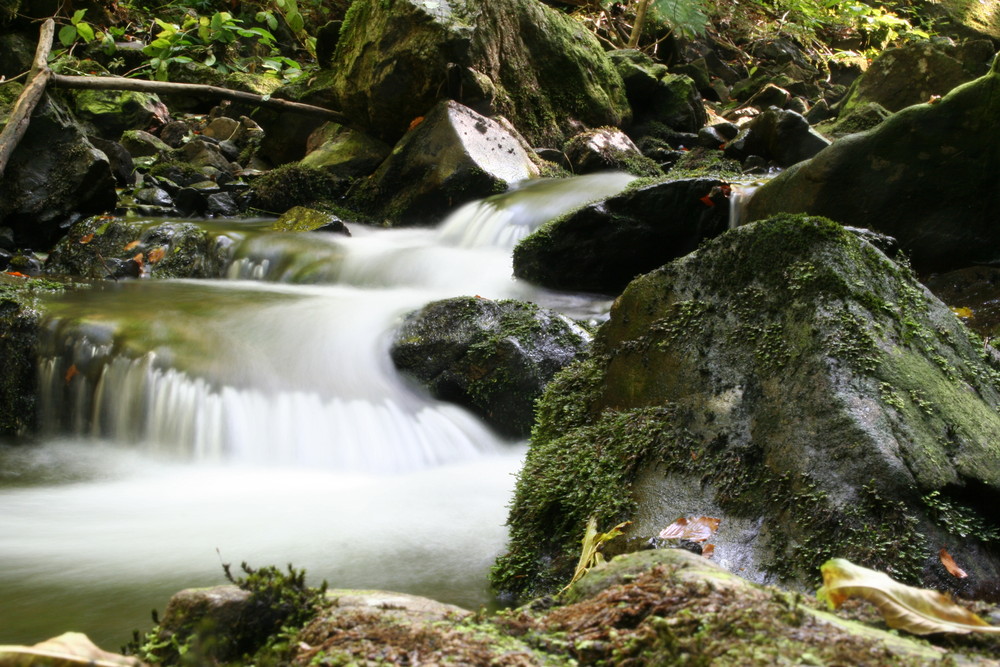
(916, 610)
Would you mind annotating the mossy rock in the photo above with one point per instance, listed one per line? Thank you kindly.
(494, 357)
(297, 185)
(790, 379)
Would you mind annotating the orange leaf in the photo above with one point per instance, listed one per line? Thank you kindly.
(416, 121)
(707, 200)
(708, 550)
(696, 529)
(156, 254)
(71, 373)
(87, 238)
(138, 259)
(16, 274)
(131, 245)
(950, 564)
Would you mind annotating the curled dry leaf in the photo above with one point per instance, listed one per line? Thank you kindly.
(917, 610)
(696, 529)
(131, 245)
(950, 564)
(708, 550)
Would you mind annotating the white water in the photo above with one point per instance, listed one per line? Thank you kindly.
(261, 417)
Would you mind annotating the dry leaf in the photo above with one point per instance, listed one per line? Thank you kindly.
(708, 550)
(950, 564)
(155, 255)
(70, 648)
(71, 373)
(590, 554)
(86, 238)
(131, 245)
(138, 259)
(696, 529)
(917, 610)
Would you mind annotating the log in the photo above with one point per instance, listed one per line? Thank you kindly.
(38, 78)
(214, 92)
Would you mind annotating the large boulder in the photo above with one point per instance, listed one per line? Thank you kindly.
(912, 73)
(494, 357)
(777, 135)
(790, 380)
(526, 61)
(454, 156)
(344, 152)
(602, 246)
(926, 176)
(656, 95)
(54, 176)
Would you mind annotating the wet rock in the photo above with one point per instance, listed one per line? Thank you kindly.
(111, 112)
(99, 248)
(221, 205)
(770, 96)
(302, 219)
(296, 185)
(925, 176)
(140, 143)
(454, 156)
(200, 153)
(122, 166)
(175, 133)
(345, 152)
(494, 357)
(607, 149)
(154, 196)
(790, 380)
(551, 76)
(783, 137)
(602, 246)
(77, 179)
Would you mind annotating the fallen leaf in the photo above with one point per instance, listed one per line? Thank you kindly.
(916, 610)
(590, 554)
(706, 200)
(70, 648)
(708, 550)
(16, 274)
(138, 259)
(71, 373)
(950, 564)
(697, 529)
(963, 312)
(416, 121)
(131, 245)
(87, 238)
(155, 255)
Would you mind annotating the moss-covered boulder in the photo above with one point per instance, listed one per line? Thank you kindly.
(303, 219)
(913, 73)
(779, 136)
(656, 95)
(607, 149)
(604, 245)
(111, 112)
(100, 247)
(926, 176)
(494, 357)
(297, 185)
(54, 175)
(454, 156)
(345, 152)
(790, 380)
(19, 316)
(546, 72)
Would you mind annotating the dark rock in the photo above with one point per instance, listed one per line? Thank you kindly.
(770, 96)
(784, 137)
(200, 153)
(295, 185)
(111, 112)
(140, 143)
(607, 149)
(790, 380)
(326, 42)
(154, 196)
(657, 95)
(345, 152)
(819, 112)
(925, 176)
(175, 133)
(54, 175)
(455, 155)
(494, 357)
(604, 245)
(17, 50)
(221, 205)
(120, 160)
(551, 76)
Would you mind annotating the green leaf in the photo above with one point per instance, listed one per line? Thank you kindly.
(916, 610)
(209, 60)
(67, 34)
(86, 31)
(295, 21)
(77, 16)
(168, 28)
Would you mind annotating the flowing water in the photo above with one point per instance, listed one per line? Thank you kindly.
(258, 418)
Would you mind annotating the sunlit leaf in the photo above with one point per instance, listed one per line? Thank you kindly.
(86, 238)
(708, 550)
(133, 244)
(696, 529)
(67, 34)
(86, 31)
(963, 312)
(917, 610)
(155, 255)
(70, 648)
(950, 564)
(77, 16)
(590, 554)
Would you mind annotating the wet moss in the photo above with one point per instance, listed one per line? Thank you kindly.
(295, 185)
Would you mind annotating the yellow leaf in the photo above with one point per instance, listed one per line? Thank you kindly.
(963, 312)
(916, 610)
(590, 554)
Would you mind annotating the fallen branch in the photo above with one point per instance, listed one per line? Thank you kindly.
(167, 88)
(38, 77)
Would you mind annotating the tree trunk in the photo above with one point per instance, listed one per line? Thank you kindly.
(38, 78)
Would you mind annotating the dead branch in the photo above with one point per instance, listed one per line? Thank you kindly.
(38, 77)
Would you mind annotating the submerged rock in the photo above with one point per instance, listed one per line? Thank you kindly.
(453, 156)
(925, 175)
(494, 357)
(604, 245)
(791, 380)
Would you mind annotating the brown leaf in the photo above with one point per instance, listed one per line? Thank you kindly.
(950, 564)
(71, 373)
(696, 529)
(138, 259)
(131, 245)
(86, 238)
(155, 255)
(708, 550)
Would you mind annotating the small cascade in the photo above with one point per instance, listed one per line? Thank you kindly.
(739, 199)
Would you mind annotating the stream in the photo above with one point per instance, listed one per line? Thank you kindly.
(185, 424)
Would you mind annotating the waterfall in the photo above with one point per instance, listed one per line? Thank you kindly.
(739, 199)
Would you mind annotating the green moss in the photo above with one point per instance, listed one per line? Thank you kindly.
(296, 185)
